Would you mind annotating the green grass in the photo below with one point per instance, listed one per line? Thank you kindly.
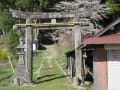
(50, 79)
(5, 74)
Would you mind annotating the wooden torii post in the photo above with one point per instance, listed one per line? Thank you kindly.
(28, 53)
(28, 27)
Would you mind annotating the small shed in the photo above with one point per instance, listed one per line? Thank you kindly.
(106, 57)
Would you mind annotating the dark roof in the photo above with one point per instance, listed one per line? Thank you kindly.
(70, 53)
(108, 39)
(108, 27)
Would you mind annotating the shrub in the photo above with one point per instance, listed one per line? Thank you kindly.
(12, 41)
(3, 54)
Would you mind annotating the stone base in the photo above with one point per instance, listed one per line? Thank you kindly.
(76, 81)
(28, 84)
(21, 82)
(16, 82)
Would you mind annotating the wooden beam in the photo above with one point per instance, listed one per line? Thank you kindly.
(49, 26)
(46, 26)
(45, 15)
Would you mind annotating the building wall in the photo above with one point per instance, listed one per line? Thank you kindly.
(100, 69)
(113, 65)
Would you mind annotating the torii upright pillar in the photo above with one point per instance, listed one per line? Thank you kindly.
(78, 54)
(28, 52)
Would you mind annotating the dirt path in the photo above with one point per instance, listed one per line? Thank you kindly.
(51, 77)
(51, 54)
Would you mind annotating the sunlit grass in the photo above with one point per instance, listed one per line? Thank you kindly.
(50, 78)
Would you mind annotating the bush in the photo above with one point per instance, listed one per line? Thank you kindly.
(3, 54)
(12, 41)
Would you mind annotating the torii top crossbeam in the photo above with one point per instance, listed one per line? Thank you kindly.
(43, 15)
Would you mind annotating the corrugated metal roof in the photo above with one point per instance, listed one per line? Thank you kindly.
(108, 39)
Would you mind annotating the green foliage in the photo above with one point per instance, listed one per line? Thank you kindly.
(5, 4)
(27, 5)
(45, 4)
(6, 21)
(35, 5)
(12, 41)
(24, 4)
(11, 37)
(114, 6)
(3, 54)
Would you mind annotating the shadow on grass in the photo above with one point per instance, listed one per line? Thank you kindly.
(52, 77)
(7, 77)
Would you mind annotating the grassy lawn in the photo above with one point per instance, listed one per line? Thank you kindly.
(50, 78)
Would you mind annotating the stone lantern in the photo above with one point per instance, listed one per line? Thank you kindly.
(21, 53)
(19, 75)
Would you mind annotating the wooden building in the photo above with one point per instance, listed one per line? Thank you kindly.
(105, 46)
(71, 63)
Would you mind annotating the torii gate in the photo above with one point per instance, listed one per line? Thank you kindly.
(28, 26)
